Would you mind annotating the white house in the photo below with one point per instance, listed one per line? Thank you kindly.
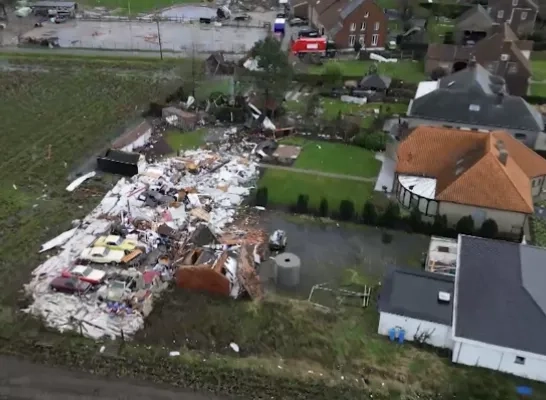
(499, 313)
(420, 304)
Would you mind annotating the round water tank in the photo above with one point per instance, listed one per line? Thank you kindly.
(287, 269)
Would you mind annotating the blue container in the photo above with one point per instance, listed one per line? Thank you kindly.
(392, 334)
(401, 336)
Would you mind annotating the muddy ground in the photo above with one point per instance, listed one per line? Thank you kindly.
(23, 380)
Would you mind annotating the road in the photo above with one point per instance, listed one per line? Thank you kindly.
(318, 173)
(22, 380)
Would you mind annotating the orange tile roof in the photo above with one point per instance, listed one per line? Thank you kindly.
(467, 167)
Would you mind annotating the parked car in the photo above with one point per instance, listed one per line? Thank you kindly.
(102, 255)
(69, 285)
(115, 242)
(116, 290)
(86, 274)
(298, 22)
(244, 17)
(59, 19)
(311, 33)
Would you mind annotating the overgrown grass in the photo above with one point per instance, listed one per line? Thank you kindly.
(410, 71)
(336, 158)
(52, 122)
(184, 140)
(539, 70)
(284, 187)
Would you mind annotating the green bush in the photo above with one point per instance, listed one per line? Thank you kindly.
(346, 210)
(439, 226)
(376, 141)
(489, 229)
(465, 225)
(369, 213)
(323, 207)
(262, 197)
(302, 204)
(391, 215)
(415, 219)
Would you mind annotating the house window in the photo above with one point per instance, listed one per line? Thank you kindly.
(363, 26)
(376, 26)
(500, 14)
(366, 14)
(524, 15)
(474, 107)
(352, 39)
(362, 39)
(492, 67)
(512, 68)
(375, 39)
(514, 3)
(520, 136)
(520, 360)
(353, 27)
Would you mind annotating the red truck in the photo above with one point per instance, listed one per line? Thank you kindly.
(320, 45)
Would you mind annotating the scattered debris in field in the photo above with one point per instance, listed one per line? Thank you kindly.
(171, 220)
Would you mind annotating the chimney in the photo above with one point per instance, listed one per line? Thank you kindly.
(503, 156)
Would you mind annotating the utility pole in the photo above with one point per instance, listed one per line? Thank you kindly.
(193, 70)
(159, 37)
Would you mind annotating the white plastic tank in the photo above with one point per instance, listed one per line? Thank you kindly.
(287, 269)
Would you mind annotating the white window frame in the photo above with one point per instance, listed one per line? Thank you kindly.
(514, 3)
(352, 40)
(375, 39)
(500, 14)
(366, 14)
(363, 26)
(376, 26)
(353, 27)
(362, 39)
(523, 15)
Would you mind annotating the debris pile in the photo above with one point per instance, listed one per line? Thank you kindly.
(172, 221)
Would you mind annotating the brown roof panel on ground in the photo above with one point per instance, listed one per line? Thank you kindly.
(468, 169)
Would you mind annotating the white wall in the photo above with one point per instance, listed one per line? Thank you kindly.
(507, 221)
(440, 334)
(536, 185)
(499, 359)
(139, 142)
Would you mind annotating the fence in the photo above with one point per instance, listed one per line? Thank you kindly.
(179, 20)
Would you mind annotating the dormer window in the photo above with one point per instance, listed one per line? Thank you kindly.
(514, 3)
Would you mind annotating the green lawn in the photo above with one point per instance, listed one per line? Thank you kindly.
(184, 140)
(134, 6)
(337, 158)
(332, 107)
(538, 89)
(410, 71)
(539, 70)
(284, 187)
(437, 30)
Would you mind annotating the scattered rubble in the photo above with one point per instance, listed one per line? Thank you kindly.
(173, 220)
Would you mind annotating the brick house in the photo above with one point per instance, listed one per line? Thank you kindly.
(349, 21)
(520, 14)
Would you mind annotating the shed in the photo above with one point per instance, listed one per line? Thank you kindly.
(121, 162)
(375, 82)
(134, 137)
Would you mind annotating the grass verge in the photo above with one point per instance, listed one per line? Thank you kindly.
(409, 71)
(335, 158)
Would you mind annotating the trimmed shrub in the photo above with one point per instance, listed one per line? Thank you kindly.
(369, 213)
(439, 226)
(415, 219)
(465, 225)
(262, 195)
(302, 204)
(346, 210)
(323, 207)
(391, 215)
(489, 229)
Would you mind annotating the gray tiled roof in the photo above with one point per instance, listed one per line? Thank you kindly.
(451, 103)
(501, 294)
(479, 10)
(414, 293)
(376, 81)
(349, 8)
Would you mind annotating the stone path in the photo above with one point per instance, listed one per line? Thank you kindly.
(317, 173)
